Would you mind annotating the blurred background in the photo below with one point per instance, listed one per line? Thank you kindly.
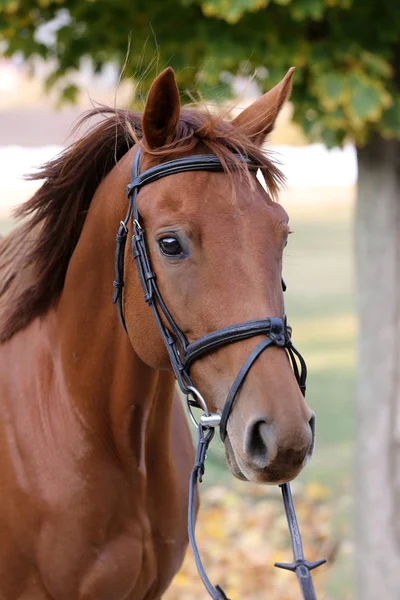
(58, 58)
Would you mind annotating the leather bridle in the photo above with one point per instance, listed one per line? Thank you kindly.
(182, 354)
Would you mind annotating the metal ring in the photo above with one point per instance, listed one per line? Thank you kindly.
(197, 396)
(124, 226)
(194, 392)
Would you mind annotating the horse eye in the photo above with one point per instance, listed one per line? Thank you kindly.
(170, 246)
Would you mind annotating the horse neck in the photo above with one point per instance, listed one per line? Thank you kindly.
(113, 392)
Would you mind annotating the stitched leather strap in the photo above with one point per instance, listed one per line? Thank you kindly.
(226, 335)
(199, 162)
(205, 435)
(237, 384)
(300, 374)
(300, 565)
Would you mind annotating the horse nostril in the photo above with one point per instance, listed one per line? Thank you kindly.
(263, 447)
(255, 443)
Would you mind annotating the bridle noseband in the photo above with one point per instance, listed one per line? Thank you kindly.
(275, 332)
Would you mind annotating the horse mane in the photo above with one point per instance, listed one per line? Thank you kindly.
(34, 257)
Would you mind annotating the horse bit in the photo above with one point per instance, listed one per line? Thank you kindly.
(182, 354)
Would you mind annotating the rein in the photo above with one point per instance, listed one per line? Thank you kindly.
(275, 330)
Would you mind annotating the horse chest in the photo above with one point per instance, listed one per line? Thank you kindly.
(85, 533)
(101, 546)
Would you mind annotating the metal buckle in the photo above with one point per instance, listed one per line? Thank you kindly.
(138, 226)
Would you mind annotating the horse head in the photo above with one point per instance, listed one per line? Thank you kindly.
(215, 241)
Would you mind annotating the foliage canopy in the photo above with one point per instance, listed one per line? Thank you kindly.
(347, 52)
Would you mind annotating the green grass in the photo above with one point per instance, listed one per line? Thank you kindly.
(320, 302)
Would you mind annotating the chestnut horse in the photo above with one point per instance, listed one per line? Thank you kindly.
(96, 451)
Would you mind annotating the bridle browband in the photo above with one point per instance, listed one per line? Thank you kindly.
(182, 354)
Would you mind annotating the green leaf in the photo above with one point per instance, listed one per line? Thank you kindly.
(390, 121)
(331, 88)
(366, 100)
(231, 10)
(376, 64)
(69, 94)
(306, 9)
(9, 6)
(330, 138)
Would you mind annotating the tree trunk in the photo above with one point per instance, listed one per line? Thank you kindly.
(377, 460)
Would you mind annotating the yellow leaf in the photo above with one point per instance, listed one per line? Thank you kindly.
(317, 491)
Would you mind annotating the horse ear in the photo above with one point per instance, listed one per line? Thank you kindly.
(258, 120)
(162, 110)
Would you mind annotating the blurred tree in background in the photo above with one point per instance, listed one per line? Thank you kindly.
(346, 87)
(345, 51)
